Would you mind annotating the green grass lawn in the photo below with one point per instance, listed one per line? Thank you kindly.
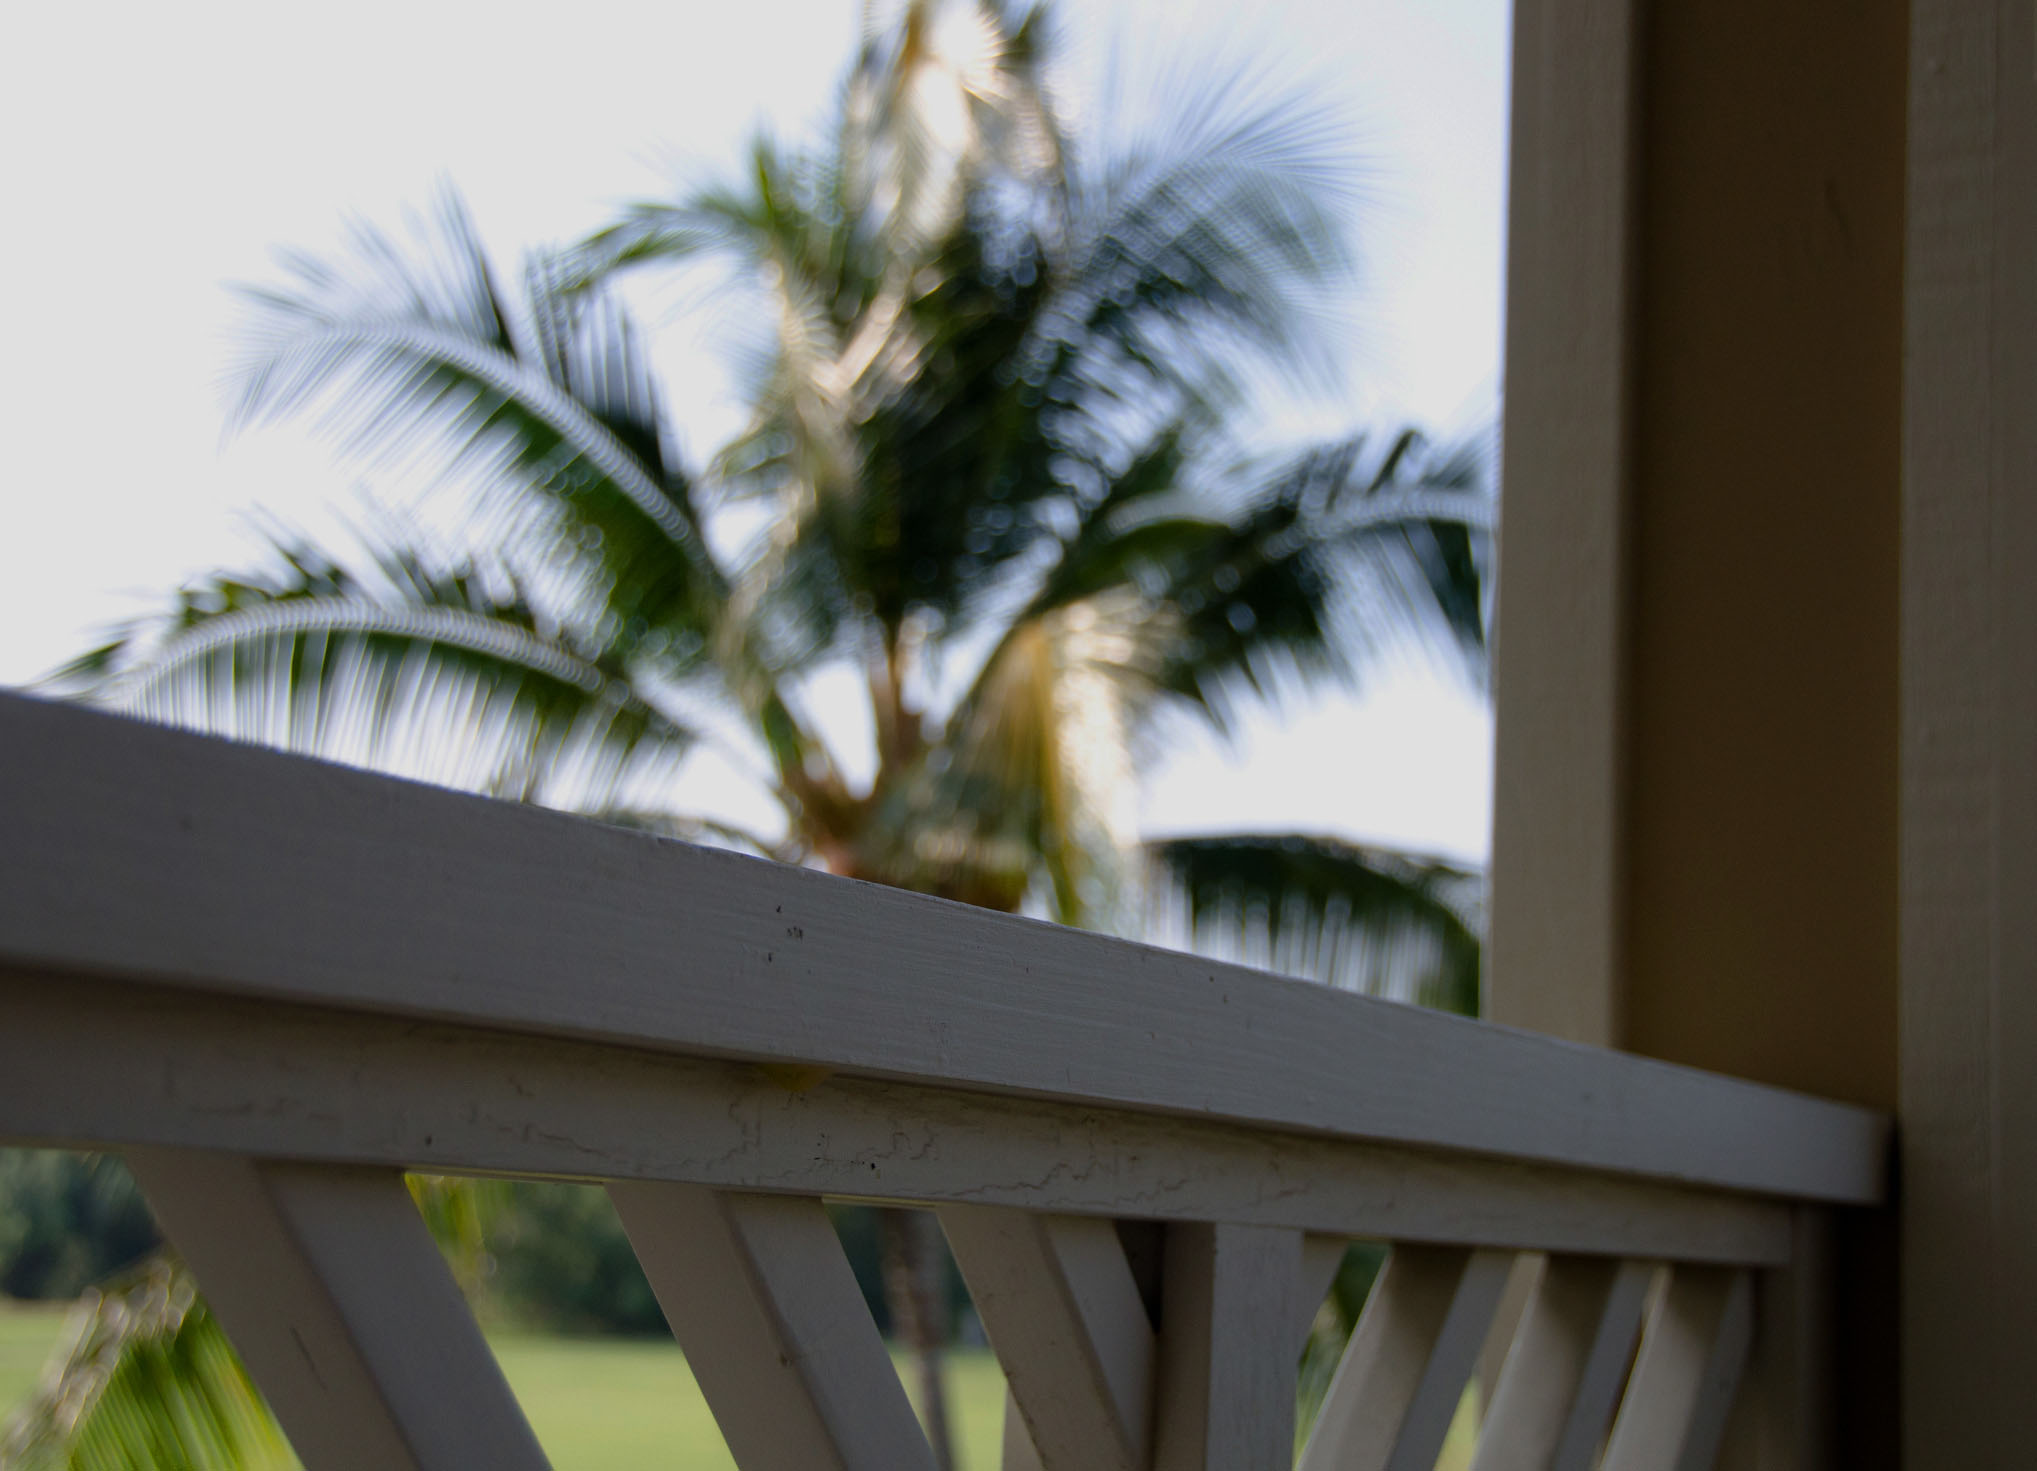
(608, 1404)
(603, 1404)
(28, 1331)
(597, 1404)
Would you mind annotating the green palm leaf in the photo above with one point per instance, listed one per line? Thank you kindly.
(706, 831)
(414, 350)
(145, 1378)
(1301, 578)
(1217, 232)
(1029, 794)
(448, 673)
(1367, 919)
(1427, 519)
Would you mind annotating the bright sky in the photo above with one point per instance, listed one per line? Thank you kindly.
(156, 153)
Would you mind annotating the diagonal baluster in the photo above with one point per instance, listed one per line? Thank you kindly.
(328, 1282)
(1396, 1389)
(1015, 1448)
(1063, 1312)
(1228, 1349)
(1562, 1377)
(1692, 1353)
(761, 1298)
(1059, 1299)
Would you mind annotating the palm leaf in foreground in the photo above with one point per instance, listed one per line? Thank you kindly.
(146, 1377)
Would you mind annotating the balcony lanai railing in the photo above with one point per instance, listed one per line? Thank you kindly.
(273, 985)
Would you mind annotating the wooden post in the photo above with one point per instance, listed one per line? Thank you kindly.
(1063, 1313)
(1696, 818)
(1693, 1352)
(1397, 1387)
(1560, 670)
(1556, 1395)
(1228, 1355)
(762, 1300)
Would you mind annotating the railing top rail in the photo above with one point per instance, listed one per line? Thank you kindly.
(158, 856)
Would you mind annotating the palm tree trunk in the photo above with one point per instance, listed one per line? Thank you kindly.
(915, 1291)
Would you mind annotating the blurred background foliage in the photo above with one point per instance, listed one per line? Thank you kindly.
(67, 1221)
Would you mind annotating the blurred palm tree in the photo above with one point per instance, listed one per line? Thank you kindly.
(995, 463)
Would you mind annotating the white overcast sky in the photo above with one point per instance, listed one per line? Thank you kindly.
(155, 153)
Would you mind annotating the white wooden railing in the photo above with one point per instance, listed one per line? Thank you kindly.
(273, 985)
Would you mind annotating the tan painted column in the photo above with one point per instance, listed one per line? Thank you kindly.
(1760, 820)
(1696, 847)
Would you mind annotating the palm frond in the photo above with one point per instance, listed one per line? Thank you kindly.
(415, 350)
(787, 208)
(1031, 792)
(707, 831)
(560, 420)
(658, 231)
(459, 1211)
(1366, 919)
(1238, 590)
(948, 94)
(935, 415)
(906, 463)
(962, 462)
(145, 1377)
(1424, 525)
(1220, 232)
(1305, 578)
(444, 673)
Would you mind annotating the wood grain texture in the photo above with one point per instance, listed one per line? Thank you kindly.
(91, 1062)
(1969, 856)
(1506, 1323)
(1559, 661)
(1063, 1314)
(762, 1300)
(1390, 1403)
(1058, 1353)
(1693, 1351)
(331, 1288)
(1556, 1393)
(1228, 1359)
(187, 862)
